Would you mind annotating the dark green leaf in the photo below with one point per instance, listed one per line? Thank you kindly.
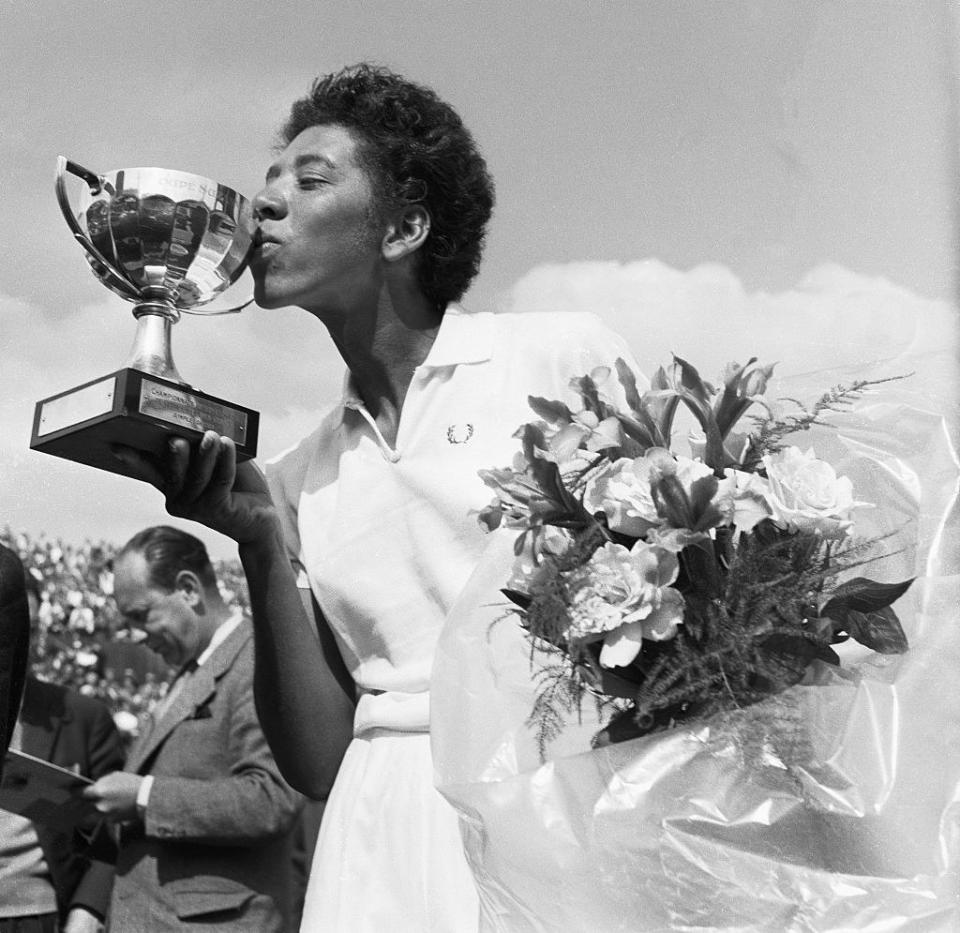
(730, 410)
(881, 630)
(550, 410)
(826, 653)
(618, 685)
(517, 598)
(660, 408)
(714, 453)
(629, 382)
(691, 381)
(671, 501)
(591, 397)
(704, 514)
(862, 595)
(532, 439)
(491, 517)
(630, 447)
(622, 728)
(642, 429)
(702, 575)
(785, 660)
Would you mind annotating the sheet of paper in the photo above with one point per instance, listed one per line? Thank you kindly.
(43, 792)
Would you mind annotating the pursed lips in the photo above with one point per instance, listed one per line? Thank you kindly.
(264, 245)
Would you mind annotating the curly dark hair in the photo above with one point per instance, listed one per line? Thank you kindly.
(416, 150)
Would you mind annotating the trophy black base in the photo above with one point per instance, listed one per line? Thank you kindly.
(138, 410)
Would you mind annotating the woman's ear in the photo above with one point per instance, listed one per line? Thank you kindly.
(406, 233)
(187, 584)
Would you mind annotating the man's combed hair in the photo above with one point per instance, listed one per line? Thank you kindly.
(417, 151)
(169, 550)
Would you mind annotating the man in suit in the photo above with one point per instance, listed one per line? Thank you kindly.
(52, 878)
(14, 641)
(205, 817)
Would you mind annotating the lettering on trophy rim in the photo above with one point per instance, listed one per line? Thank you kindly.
(169, 181)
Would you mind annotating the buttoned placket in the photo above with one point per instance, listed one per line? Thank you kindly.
(410, 404)
(462, 338)
(389, 453)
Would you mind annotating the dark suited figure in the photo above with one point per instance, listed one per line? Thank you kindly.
(205, 817)
(14, 643)
(51, 878)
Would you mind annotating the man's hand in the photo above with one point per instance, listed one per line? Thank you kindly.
(208, 486)
(80, 920)
(115, 795)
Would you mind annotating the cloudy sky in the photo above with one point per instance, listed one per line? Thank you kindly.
(719, 179)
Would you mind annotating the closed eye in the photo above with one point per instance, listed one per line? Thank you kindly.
(308, 182)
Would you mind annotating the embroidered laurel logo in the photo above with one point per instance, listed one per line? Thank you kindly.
(459, 433)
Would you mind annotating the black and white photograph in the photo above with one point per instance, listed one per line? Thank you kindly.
(480, 467)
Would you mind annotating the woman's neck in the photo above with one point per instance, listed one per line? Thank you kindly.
(382, 348)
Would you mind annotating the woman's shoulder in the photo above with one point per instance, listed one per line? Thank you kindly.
(550, 326)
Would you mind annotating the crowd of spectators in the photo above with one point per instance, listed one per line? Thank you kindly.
(82, 642)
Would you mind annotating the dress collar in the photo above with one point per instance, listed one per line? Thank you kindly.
(464, 337)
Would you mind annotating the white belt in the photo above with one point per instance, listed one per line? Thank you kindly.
(392, 709)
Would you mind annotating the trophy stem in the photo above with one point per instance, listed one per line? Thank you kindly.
(151, 351)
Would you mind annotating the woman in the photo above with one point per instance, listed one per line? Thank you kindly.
(372, 219)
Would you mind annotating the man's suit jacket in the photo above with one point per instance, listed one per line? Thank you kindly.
(213, 852)
(77, 733)
(14, 642)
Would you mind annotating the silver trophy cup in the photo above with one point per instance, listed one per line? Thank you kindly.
(170, 242)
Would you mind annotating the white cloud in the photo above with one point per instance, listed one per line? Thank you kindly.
(833, 318)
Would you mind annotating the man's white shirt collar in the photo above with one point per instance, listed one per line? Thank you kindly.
(221, 635)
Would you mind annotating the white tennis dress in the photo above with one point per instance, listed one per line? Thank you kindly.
(386, 539)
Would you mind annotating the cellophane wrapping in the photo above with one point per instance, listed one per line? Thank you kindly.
(833, 806)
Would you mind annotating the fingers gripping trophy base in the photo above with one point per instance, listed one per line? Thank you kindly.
(139, 410)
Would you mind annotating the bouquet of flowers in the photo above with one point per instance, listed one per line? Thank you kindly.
(674, 587)
(735, 776)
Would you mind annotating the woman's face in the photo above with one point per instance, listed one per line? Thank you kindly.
(319, 242)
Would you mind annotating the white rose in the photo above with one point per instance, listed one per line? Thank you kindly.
(805, 494)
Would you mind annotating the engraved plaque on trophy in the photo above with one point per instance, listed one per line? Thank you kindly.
(169, 242)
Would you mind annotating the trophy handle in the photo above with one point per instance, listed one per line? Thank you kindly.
(96, 183)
